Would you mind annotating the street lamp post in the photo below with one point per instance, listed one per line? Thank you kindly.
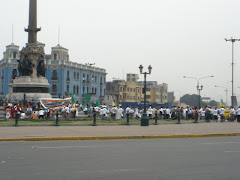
(199, 88)
(232, 40)
(145, 119)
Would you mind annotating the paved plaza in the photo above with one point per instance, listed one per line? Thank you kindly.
(118, 131)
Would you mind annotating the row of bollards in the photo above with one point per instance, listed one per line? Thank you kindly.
(17, 116)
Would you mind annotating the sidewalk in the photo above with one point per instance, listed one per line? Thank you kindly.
(118, 132)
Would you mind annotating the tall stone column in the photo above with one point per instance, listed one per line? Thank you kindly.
(32, 27)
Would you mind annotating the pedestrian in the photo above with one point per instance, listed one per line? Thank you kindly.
(238, 114)
(232, 114)
(222, 113)
(187, 112)
(215, 114)
(203, 114)
(41, 114)
(149, 112)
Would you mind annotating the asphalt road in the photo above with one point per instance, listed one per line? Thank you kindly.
(209, 158)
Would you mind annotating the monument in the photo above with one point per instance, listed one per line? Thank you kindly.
(31, 84)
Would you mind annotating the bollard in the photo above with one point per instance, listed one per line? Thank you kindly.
(179, 117)
(57, 124)
(94, 118)
(156, 118)
(127, 118)
(16, 119)
(196, 118)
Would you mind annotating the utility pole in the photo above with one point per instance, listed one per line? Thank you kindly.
(232, 40)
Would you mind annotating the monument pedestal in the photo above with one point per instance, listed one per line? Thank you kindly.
(33, 88)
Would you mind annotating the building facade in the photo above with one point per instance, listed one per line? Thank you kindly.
(155, 93)
(132, 77)
(171, 97)
(86, 82)
(124, 91)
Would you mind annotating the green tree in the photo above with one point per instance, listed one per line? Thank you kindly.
(192, 100)
(213, 103)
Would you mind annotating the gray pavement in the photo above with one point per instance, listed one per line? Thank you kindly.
(114, 131)
(210, 158)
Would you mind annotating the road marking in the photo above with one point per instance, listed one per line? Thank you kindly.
(62, 147)
(232, 151)
(107, 171)
(221, 143)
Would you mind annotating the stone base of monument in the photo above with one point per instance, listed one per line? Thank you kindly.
(32, 88)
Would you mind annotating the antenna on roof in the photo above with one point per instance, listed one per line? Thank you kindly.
(12, 33)
(59, 34)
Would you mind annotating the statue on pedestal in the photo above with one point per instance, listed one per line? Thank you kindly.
(25, 66)
(41, 69)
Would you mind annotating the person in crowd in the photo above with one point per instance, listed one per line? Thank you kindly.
(8, 112)
(136, 113)
(164, 113)
(187, 110)
(195, 114)
(85, 110)
(174, 113)
(215, 114)
(34, 115)
(160, 112)
(222, 113)
(207, 114)
(29, 110)
(113, 112)
(149, 112)
(41, 114)
(168, 115)
(238, 114)
(121, 111)
(203, 113)
(232, 114)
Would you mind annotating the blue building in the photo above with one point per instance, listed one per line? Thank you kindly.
(85, 81)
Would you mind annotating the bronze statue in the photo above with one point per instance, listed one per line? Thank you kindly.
(41, 69)
(25, 66)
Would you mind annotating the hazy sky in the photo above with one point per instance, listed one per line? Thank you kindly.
(176, 37)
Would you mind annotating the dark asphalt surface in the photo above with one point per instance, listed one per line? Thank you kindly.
(209, 158)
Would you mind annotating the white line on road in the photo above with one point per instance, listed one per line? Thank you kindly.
(62, 147)
(232, 151)
(221, 143)
(109, 171)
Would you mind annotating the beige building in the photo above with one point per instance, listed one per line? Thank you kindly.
(155, 93)
(124, 91)
(132, 77)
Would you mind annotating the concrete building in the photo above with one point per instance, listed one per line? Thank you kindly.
(155, 93)
(132, 77)
(171, 97)
(64, 76)
(124, 91)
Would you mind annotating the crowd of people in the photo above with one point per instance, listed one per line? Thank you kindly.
(35, 110)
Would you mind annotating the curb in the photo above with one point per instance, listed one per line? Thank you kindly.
(116, 137)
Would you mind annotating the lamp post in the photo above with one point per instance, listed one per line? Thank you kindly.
(199, 88)
(232, 40)
(145, 119)
(226, 89)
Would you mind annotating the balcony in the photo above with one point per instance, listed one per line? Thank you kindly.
(68, 79)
